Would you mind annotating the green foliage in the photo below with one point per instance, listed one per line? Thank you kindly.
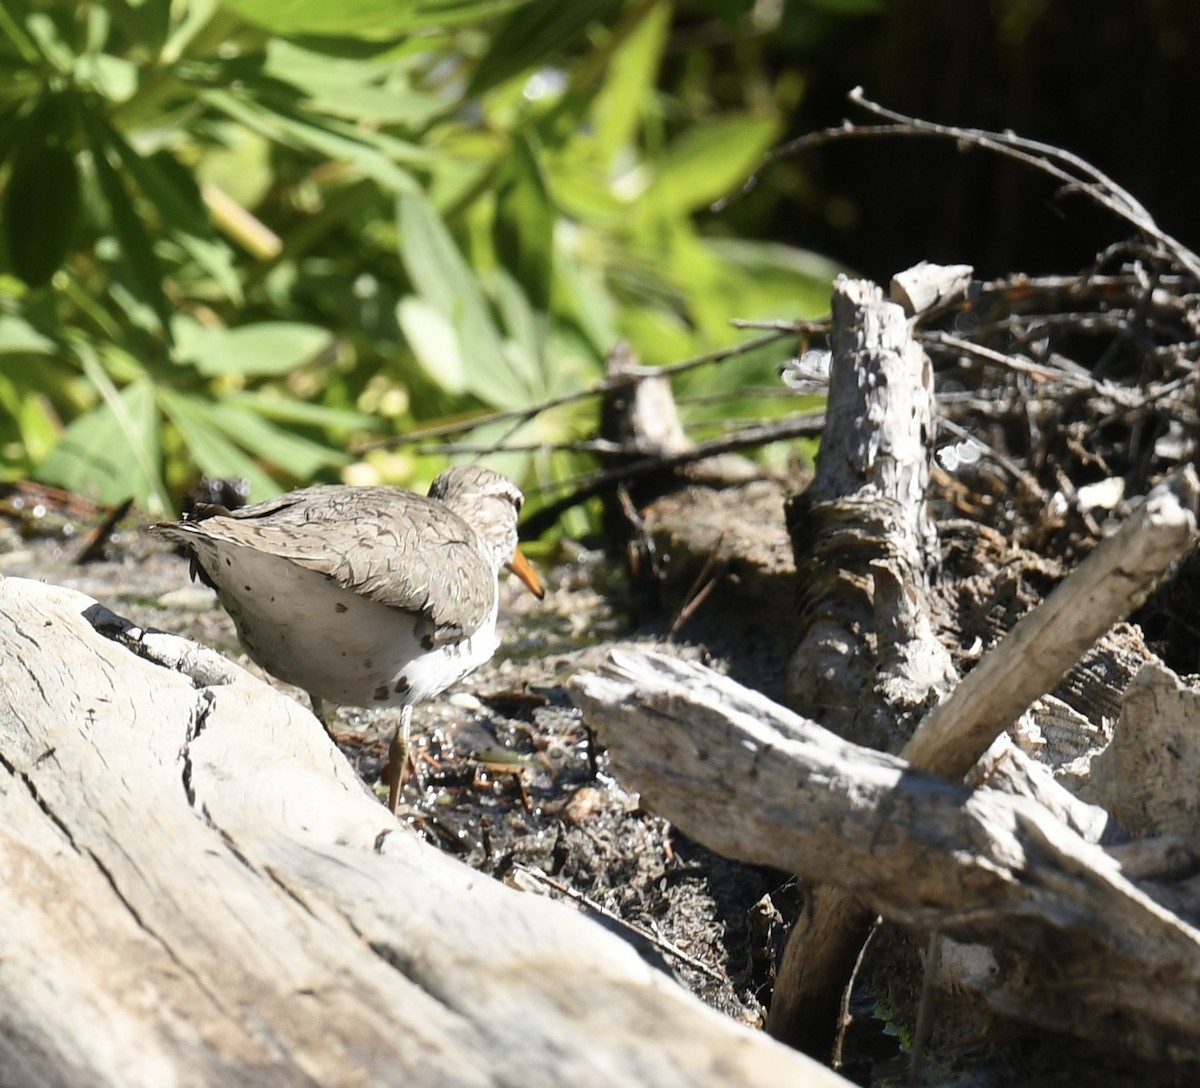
(240, 238)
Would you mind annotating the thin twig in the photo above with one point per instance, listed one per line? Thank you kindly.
(524, 415)
(1074, 172)
(586, 487)
(661, 943)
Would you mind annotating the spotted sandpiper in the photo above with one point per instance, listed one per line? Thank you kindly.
(365, 596)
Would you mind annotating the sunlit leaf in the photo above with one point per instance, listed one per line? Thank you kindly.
(289, 410)
(278, 126)
(708, 161)
(17, 335)
(629, 82)
(299, 457)
(365, 18)
(210, 448)
(265, 348)
(524, 223)
(443, 278)
(434, 343)
(105, 453)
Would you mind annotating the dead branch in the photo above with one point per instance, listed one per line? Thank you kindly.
(754, 781)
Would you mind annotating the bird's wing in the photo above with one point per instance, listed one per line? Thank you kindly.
(401, 550)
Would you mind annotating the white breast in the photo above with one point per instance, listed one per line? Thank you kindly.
(332, 643)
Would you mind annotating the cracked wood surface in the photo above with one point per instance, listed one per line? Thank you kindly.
(198, 890)
(754, 781)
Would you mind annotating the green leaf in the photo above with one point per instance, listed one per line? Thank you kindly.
(709, 160)
(362, 18)
(137, 250)
(111, 452)
(629, 82)
(43, 208)
(293, 131)
(360, 89)
(534, 34)
(289, 410)
(265, 348)
(211, 450)
(523, 228)
(297, 456)
(446, 282)
(17, 335)
(434, 342)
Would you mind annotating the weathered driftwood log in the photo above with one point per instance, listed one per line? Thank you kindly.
(197, 890)
(869, 663)
(755, 781)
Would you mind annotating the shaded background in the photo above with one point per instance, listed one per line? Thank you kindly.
(1115, 83)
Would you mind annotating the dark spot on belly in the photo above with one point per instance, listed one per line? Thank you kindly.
(381, 693)
(402, 685)
(228, 561)
(339, 607)
(368, 664)
(246, 588)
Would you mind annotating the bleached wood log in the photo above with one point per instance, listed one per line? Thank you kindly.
(754, 781)
(926, 285)
(870, 663)
(198, 890)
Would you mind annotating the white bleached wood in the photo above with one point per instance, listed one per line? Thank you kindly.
(754, 781)
(198, 890)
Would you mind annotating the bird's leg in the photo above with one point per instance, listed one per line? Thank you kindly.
(398, 758)
(319, 711)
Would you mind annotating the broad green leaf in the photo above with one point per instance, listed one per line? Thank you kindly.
(43, 209)
(17, 335)
(433, 341)
(629, 82)
(533, 34)
(113, 78)
(104, 453)
(361, 89)
(582, 295)
(27, 420)
(137, 250)
(524, 328)
(708, 161)
(361, 18)
(211, 450)
(265, 348)
(299, 457)
(289, 410)
(295, 132)
(523, 229)
(443, 278)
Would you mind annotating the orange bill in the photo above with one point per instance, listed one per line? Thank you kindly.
(519, 565)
